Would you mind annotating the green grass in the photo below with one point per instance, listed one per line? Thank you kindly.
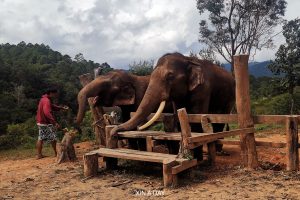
(23, 153)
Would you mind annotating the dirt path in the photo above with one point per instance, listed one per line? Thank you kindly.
(44, 179)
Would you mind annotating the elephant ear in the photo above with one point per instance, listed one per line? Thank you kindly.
(126, 96)
(196, 76)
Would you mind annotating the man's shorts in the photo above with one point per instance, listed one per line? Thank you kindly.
(47, 132)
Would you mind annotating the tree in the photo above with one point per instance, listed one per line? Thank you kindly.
(141, 68)
(206, 54)
(239, 26)
(287, 61)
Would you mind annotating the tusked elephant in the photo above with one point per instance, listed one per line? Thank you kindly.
(198, 85)
(116, 88)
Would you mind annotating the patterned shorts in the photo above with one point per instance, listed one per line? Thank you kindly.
(47, 132)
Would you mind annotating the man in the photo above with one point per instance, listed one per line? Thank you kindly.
(46, 122)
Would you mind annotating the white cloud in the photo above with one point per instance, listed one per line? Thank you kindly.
(113, 31)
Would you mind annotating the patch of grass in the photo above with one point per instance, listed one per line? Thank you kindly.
(266, 127)
(23, 153)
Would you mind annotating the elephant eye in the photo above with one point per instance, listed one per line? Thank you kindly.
(170, 76)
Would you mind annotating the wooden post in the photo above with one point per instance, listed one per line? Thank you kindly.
(211, 147)
(169, 178)
(149, 142)
(97, 113)
(112, 143)
(90, 164)
(185, 133)
(245, 120)
(292, 155)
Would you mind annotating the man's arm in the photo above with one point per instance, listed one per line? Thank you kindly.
(58, 108)
(47, 108)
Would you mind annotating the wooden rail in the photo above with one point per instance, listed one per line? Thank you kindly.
(231, 118)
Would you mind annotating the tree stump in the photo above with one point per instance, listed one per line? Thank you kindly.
(65, 150)
(91, 165)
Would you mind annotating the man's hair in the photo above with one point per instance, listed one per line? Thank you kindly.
(51, 90)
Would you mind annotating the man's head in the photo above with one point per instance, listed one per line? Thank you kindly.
(52, 92)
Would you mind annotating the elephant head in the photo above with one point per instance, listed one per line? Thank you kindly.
(116, 88)
(182, 80)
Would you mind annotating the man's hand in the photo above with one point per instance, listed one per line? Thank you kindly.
(57, 126)
(64, 108)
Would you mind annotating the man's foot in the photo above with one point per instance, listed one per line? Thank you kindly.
(40, 156)
(222, 153)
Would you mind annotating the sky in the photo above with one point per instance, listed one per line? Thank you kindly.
(118, 32)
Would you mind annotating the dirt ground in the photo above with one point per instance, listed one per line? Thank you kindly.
(44, 179)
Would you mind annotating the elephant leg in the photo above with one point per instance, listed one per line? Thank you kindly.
(197, 127)
(218, 128)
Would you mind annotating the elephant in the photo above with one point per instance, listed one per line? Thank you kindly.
(198, 85)
(116, 88)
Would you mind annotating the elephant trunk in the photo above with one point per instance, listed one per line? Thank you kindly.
(82, 99)
(92, 89)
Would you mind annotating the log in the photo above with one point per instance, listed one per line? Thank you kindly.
(65, 149)
(245, 120)
(97, 113)
(184, 152)
(90, 164)
(292, 155)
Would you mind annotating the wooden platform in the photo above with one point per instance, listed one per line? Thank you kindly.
(171, 164)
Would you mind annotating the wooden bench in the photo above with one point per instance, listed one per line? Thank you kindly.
(171, 164)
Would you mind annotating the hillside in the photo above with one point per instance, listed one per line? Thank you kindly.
(257, 69)
(26, 70)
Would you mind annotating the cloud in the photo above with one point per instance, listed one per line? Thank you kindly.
(113, 31)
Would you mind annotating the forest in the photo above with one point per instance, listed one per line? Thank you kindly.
(26, 70)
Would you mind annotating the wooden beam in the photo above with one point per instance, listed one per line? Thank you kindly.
(292, 144)
(258, 143)
(232, 118)
(129, 154)
(210, 137)
(185, 133)
(245, 120)
(184, 165)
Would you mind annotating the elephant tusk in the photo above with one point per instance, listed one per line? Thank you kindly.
(155, 117)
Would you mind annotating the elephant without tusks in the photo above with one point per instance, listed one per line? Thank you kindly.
(198, 85)
(116, 88)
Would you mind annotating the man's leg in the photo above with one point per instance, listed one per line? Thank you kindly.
(39, 147)
(53, 143)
